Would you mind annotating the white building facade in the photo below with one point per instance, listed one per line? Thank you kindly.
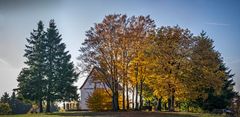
(89, 85)
(87, 89)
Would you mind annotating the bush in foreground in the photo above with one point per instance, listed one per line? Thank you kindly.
(5, 109)
(99, 100)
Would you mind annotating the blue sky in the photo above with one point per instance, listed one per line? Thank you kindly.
(219, 18)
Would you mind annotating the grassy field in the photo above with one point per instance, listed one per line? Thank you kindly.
(117, 114)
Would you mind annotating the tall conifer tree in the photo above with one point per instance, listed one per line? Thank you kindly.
(208, 64)
(49, 74)
(59, 70)
(31, 79)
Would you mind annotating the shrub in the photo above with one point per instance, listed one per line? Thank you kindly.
(99, 100)
(5, 109)
(19, 107)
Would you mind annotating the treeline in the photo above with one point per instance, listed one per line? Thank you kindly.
(166, 64)
(49, 74)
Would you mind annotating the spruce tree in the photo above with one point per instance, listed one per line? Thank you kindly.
(208, 64)
(31, 79)
(59, 70)
(49, 74)
(222, 100)
(5, 98)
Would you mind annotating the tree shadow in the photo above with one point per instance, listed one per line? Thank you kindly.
(125, 114)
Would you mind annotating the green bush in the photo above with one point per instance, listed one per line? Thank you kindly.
(5, 109)
(19, 107)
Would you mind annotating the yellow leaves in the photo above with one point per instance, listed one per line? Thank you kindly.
(99, 100)
(167, 60)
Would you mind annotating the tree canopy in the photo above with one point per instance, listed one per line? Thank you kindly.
(49, 74)
(167, 63)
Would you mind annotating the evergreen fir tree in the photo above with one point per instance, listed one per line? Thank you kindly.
(50, 73)
(59, 70)
(223, 100)
(31, 79)
(5, 98)
(209, 65)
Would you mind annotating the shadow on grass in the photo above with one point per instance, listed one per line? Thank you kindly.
(126, 114)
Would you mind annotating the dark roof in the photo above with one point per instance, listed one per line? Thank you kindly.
(98, 69)
(87, 77)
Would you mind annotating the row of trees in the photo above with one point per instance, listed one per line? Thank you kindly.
(167, 63)
(49, 75)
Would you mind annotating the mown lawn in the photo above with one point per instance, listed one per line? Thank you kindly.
(117, 114)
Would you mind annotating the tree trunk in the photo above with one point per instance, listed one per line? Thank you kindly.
(114, 102)
(172, 101)
(127, 96)
(115, 84)
(64, 105)
(141, 88)
(126, 73)
(169, 104)
(124, 78)
(40, 106)
(117, 100)
(149, 103)
(136, 76)
(159, 105)
(136, 98)
(48, 105)
(165, 106)
(133, 94)
(123, 95)
(179, 105)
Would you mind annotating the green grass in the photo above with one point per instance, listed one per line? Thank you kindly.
(116, 114)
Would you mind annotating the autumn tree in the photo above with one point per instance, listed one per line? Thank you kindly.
(99, 100)
(169, 62)
(170, 53)
(133, 46)
(112, 45)
(101, 49)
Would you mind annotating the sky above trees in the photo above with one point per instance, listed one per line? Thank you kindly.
(219, 18)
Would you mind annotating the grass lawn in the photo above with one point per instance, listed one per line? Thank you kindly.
(117, 114)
